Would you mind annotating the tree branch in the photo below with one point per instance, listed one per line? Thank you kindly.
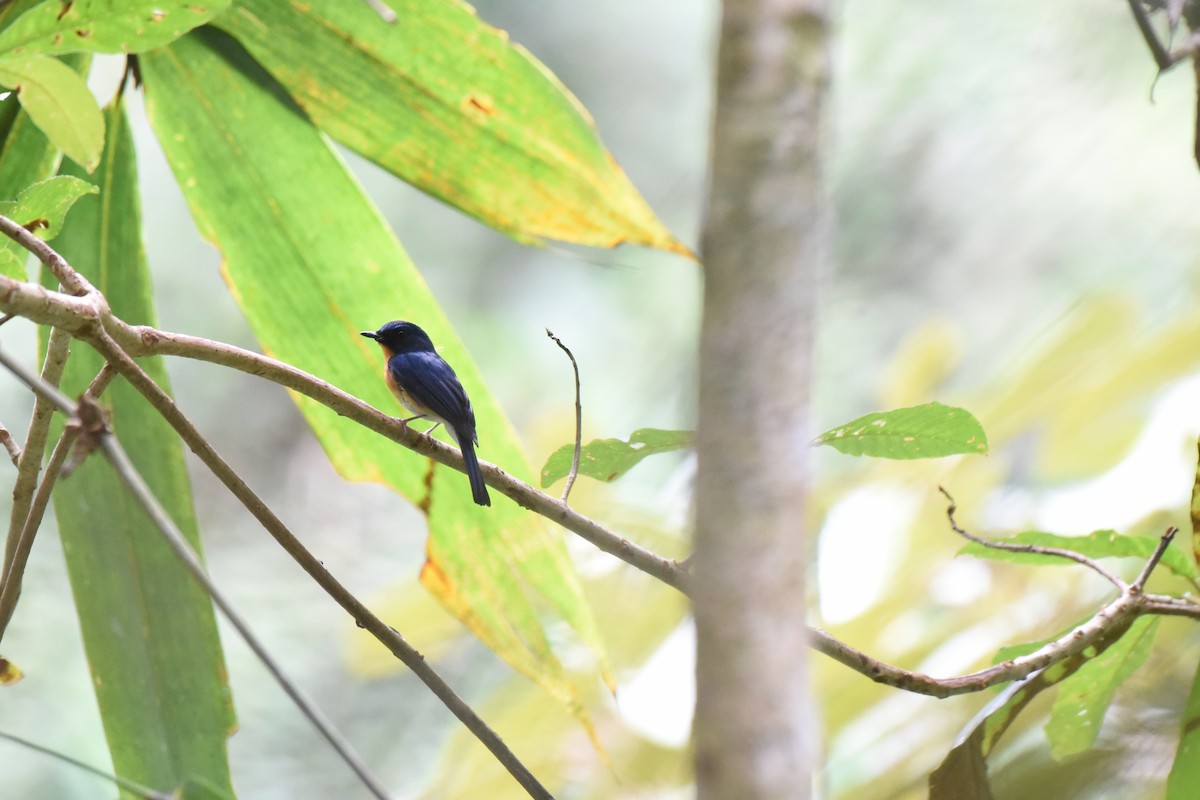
(30, 463)
(11, 579)
(89, 416)
(389, 637)
(10, 446)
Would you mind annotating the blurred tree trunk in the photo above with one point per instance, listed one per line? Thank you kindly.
(765, 237)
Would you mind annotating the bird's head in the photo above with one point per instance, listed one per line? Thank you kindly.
(401, 337)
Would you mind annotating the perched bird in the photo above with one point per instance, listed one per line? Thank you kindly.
(426, 385)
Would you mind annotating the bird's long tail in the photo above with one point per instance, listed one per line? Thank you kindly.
(478, 489)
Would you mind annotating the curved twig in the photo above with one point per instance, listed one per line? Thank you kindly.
(1012, 547)
(574, 473)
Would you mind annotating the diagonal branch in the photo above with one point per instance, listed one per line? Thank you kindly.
(389, 637)
(10, 580)
(91, 418)
(118, 341)
(30, 462)
(574, 473)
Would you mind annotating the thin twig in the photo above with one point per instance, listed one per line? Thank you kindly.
(142, 340)
(1011, 547)
(1161, 57)
(1139, 583)
(71, 280)
(10, 585)
(578, 419)
(145, 498)
(10, 445)
(388, 636)
(125, 784)
(30, 463)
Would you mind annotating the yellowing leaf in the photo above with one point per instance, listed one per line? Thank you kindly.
(311, 264)
(447, 103)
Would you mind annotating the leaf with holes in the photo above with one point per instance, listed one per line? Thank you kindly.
(929, 431)
(608, 459)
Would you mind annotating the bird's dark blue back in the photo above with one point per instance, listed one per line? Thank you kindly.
(430, 382)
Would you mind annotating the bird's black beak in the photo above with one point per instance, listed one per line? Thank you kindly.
(369, 334)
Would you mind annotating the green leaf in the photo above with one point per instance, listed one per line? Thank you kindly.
(59, 102)
(1098, 544)
(1185, 769)
(609, 459)
(148, 628)
(963, 773)
(311, 263)
(928, 431)
(41, 208)
(26, 155)
(1084, 697)
(105, 26)
(447, 103)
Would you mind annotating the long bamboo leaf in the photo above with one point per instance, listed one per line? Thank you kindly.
(446, 102)
(311, 263)
(149, 630)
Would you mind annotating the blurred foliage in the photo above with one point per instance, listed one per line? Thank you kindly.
(967, 615)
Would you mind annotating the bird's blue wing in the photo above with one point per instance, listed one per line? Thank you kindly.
(431, 382)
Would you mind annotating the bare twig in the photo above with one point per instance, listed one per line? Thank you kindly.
(389, 637)
(10, 581)
(82, 317)
(71, 280)
(1162, 58)
(126, 785)
(1139, 583)
(30, 463)
(1117, 613)
(1012, 547)
(88, 414)
(574, 473)
(10, 446)
(149, 341)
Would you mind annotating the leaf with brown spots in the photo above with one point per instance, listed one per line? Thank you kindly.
(105, 26)
(444, 101)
